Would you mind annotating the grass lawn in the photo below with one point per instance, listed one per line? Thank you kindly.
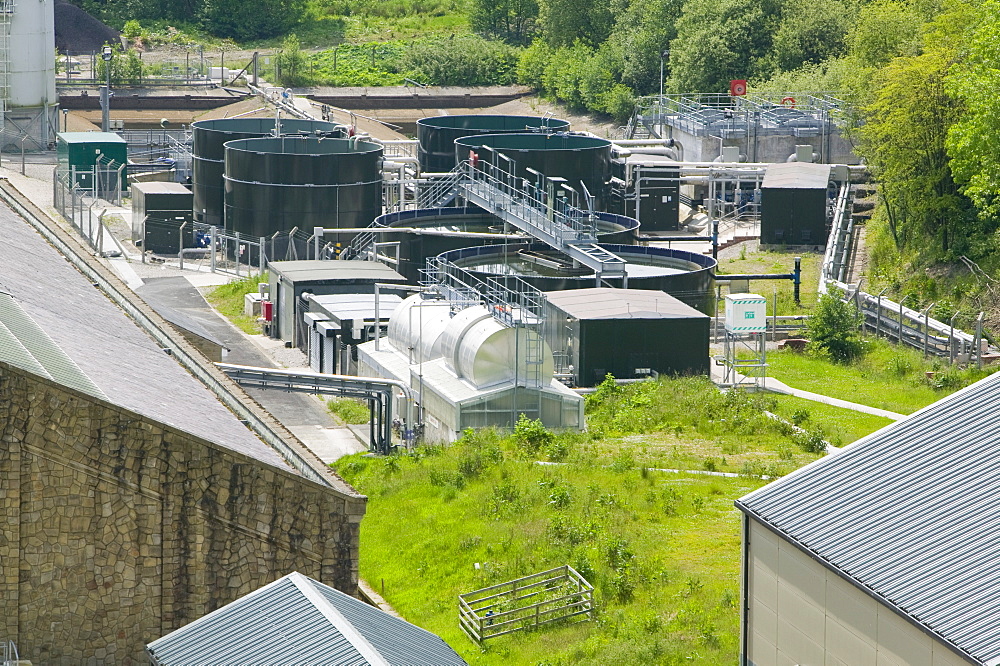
(887, 377)
(662, 550)
(759, 261)
(228, 300)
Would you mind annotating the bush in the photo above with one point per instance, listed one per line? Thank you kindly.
(531, 435)
(834, 330)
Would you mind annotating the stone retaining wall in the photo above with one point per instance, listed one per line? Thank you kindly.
(118, 529)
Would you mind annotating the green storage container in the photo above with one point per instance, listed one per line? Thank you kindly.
(78, 152)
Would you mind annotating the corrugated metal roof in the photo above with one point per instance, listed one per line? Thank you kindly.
(606, 303)
(297, 620)
(797, 175)
(912, 514)
(23, 343)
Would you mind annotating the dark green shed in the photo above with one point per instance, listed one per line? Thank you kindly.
(625, 332)
(158, 210)
(794, 204)
(78, 152)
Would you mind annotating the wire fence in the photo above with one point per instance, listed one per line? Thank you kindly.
(80, 207)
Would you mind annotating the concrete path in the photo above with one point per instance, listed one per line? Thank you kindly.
(305, 415)
(777, 386)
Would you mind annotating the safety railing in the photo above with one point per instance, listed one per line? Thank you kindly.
(887, 318)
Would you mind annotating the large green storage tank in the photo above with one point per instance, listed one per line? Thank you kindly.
(437, 134)
(78, 152)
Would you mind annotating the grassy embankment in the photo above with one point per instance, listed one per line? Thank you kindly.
(662, 549)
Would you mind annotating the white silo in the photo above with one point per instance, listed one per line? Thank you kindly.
(28, 73)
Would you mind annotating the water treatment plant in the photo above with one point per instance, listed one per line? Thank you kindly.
(446, 264)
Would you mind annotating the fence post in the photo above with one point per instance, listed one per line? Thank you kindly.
(214, 239)
(262, 255)
(951, 341)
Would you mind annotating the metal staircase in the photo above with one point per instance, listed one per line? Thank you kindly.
(442, 191)
(538, 210)
(6, 16)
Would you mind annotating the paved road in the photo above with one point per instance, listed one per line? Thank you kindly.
(304, 415)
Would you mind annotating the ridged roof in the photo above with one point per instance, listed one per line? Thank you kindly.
(912, 514)
(297, 620)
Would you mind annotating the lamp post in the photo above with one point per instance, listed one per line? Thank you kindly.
(106, 56)
(664, 54)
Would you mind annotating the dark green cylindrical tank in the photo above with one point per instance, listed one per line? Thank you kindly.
(429, 232)
(208, 155)
(575, 157)
(437, 135)
(687, 276)
(277, 184)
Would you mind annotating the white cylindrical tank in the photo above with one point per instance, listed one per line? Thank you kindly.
(415, 327)
(32, 52)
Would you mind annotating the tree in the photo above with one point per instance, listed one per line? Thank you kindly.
(973, 138)
(809, 33)
(720, 40)
(834, 329)
(243, 20)
(513, 21)
(907, 119)
(567, 22)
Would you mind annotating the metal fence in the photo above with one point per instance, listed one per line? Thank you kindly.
(885, 317)
(81, 207)
(530, 602)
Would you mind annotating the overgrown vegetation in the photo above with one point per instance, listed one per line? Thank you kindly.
(834, 329)
(228, 299)
(661, 548)
(349, 410)
(886, 376)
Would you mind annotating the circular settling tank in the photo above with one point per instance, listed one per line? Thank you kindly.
(686, 276)
(577, 158)
(277, 184)
(437, 135)
(208, 155)
(429, 232)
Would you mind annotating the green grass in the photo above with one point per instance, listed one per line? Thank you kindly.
(841, 426)
(228, 300)
(887, 377)
(349, 410)
(662, 550)
(759, 262)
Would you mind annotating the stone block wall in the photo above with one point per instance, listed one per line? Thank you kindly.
(117, 529)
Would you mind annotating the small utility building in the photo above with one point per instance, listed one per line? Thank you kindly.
(887, 552)
(158, 211)
(339, 322)
(297, 620)
(629, 333)
(78, 152)
(793, 204)
(291, 280)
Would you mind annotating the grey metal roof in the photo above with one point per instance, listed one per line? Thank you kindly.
(160, 187)
(118, 357)
(797, 175)
(318, 271)
(912, 514)
(356, 306)
(297, 620)
(606, 303)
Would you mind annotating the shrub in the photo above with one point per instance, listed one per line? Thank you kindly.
(531, 435)
(834, 329)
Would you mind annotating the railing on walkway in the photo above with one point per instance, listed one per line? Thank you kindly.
(530, 602)
(885, 317)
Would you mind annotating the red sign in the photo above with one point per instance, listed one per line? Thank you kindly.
(738, 87)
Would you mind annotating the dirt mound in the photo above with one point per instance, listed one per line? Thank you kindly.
(77, 32)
